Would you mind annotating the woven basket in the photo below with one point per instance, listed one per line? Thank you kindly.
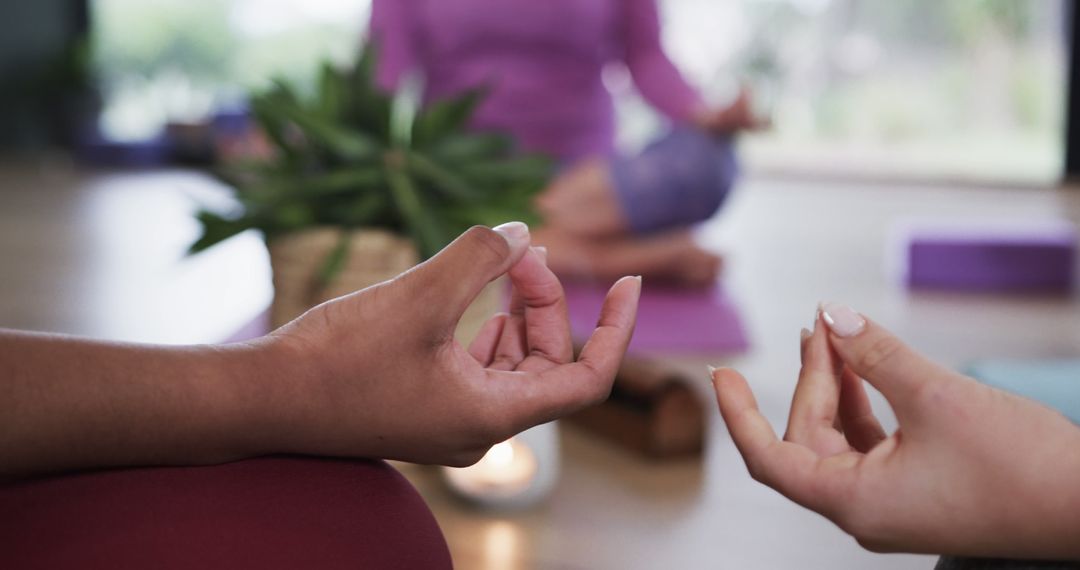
(374, 256)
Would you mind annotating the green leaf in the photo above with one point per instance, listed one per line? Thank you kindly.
(353, 180)
(443, 118)
(216, 229)
(471, 147)
(424, 227)
(443, 178)
(370, 209)
(529, 168)
(293, 216)
(271, 120)
(334, 261)
(370, 106)
(350, 145)
(331, 95)
(336, 164)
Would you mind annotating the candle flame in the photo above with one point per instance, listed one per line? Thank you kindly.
(507, 469)
(500, 454)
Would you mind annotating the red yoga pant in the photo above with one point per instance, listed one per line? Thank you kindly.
(268, 513)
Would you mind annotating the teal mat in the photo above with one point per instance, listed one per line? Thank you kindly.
(1055, 383)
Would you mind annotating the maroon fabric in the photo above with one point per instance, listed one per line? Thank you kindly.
(275, 512)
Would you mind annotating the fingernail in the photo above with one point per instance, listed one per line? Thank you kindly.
(805, 334)
(842, 319)
(712, 374)
(631, 278)
(515, 233)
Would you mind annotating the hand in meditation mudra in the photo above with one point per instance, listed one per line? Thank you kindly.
(376, 374)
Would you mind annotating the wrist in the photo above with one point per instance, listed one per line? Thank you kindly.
(1047, 508)
(266, 399)
(1071, 492)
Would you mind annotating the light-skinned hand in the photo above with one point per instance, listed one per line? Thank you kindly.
(971, 470)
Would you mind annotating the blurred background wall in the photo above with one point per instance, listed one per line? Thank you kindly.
(38, 47)
(953, 90)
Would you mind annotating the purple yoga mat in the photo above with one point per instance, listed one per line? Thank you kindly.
(669, 320)
(1031, 256)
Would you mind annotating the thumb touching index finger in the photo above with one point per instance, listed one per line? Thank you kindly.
(875, 354)
(456, 275)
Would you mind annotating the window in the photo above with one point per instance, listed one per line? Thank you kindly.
(178, 60)
(933, 89)
(942, 89)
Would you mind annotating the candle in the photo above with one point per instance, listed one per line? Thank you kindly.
(505, 470)
(515, 473)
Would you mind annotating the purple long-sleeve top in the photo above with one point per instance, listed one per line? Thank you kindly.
(540, 59)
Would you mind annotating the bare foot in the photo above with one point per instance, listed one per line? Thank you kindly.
(669, 258)
(588, 236)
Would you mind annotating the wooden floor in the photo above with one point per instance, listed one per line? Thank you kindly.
(102, 255)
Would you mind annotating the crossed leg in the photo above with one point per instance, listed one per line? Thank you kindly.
(605, 218)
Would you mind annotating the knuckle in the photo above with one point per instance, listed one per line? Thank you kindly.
(600, 381)
(545, 293)
(602, 391)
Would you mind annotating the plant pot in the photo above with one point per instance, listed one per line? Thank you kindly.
(373, 256)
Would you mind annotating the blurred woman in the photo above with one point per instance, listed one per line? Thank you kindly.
(605, 214)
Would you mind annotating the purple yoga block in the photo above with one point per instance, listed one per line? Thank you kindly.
(1035, 257)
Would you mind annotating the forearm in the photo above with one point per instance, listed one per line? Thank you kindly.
(664, 87)
(1028, 506)
(656, 77)
(68, 403)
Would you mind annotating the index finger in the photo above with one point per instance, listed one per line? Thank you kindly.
(813, 418)
(793, 470)
(875, 354)
(557, 391)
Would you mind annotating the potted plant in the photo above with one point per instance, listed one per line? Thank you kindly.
(361, 184)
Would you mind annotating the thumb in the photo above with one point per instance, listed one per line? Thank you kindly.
(449, 281)
(875, 354)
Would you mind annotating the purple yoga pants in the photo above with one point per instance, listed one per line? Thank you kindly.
(679, 179)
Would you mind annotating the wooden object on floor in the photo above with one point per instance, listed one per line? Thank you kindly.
(652, 411)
